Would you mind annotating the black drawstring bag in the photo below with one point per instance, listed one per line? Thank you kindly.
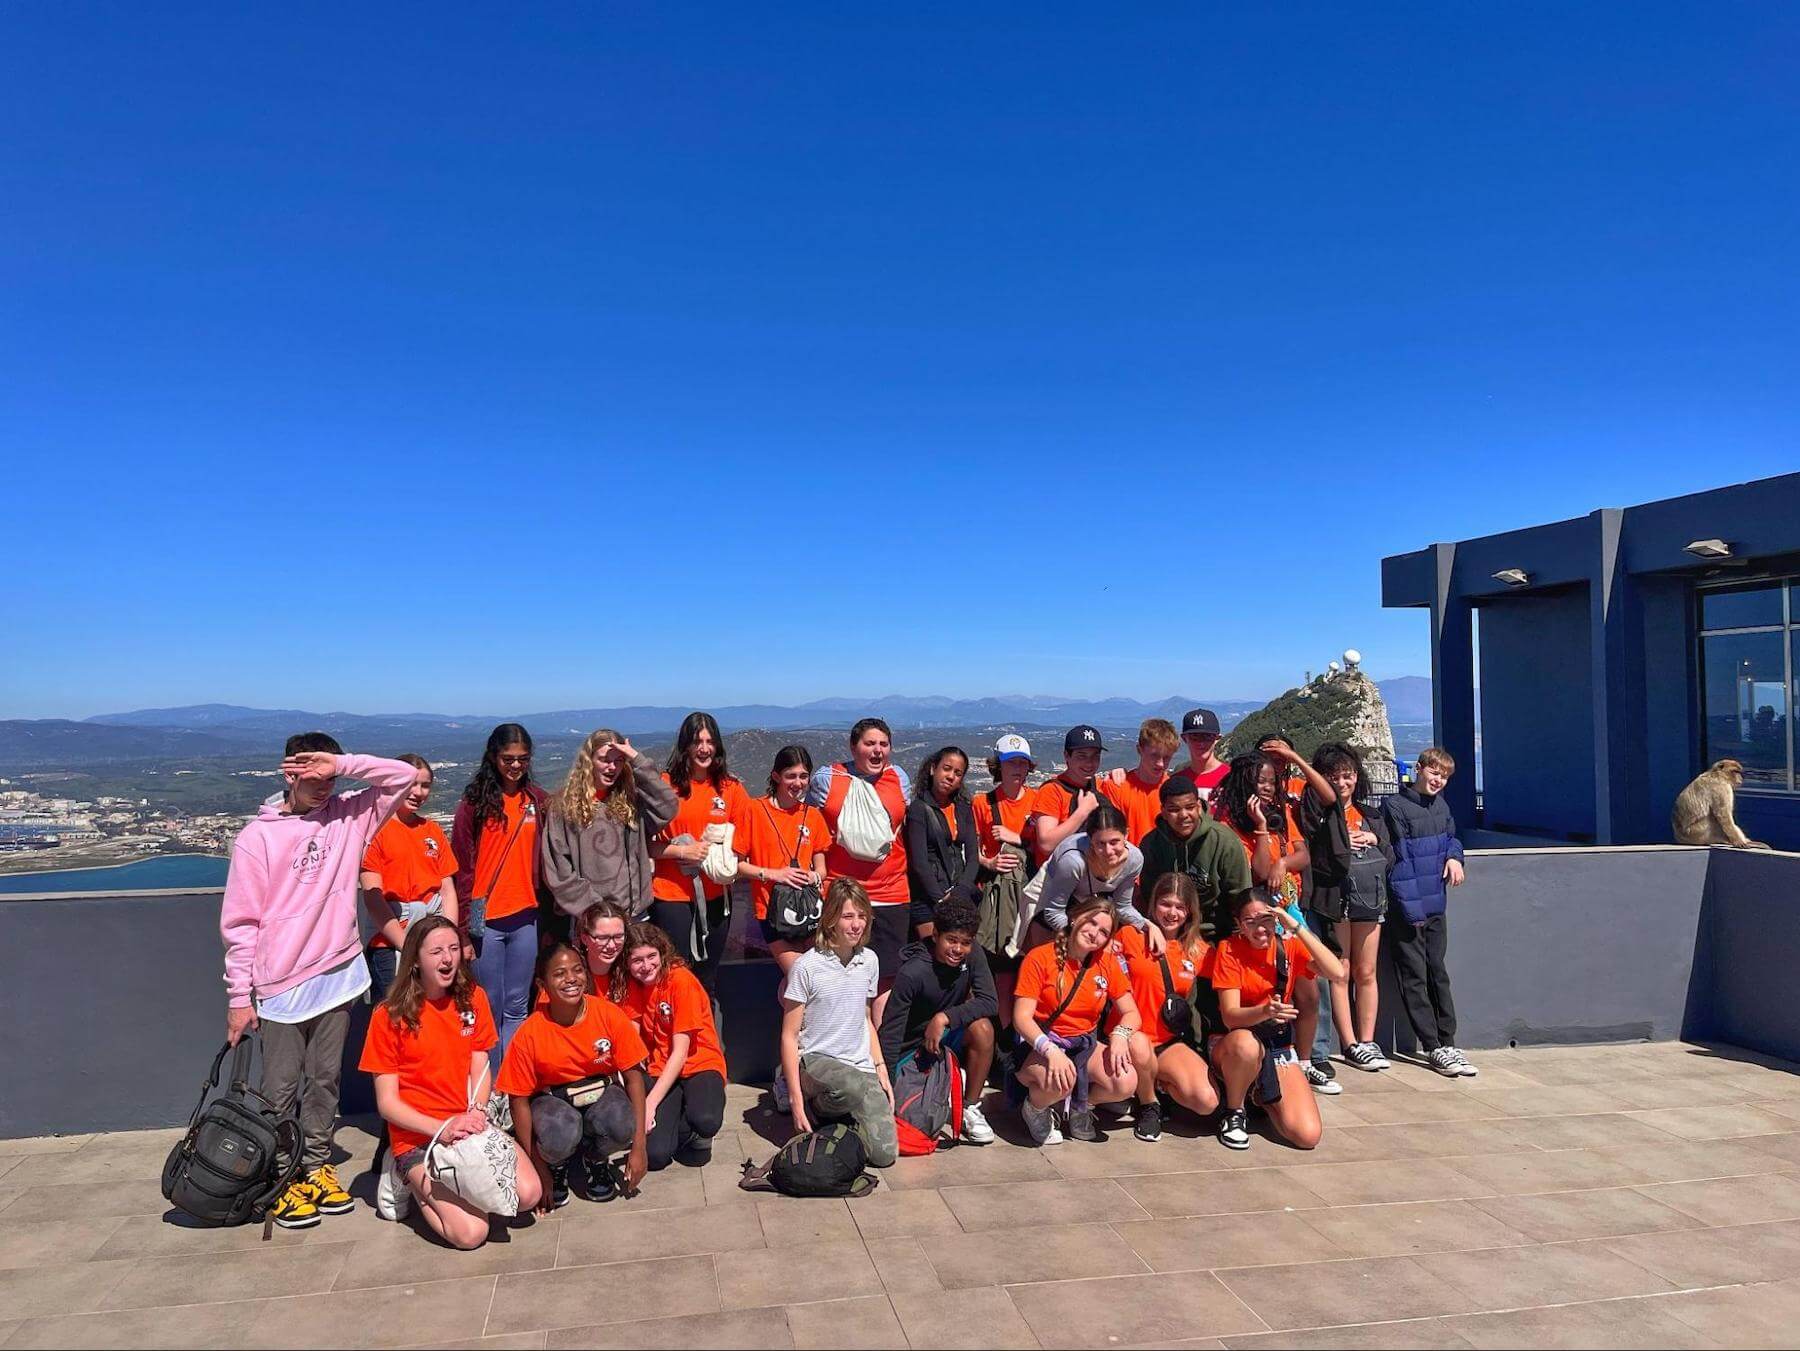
(794, 912)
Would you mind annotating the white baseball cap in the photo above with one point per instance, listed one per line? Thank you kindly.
(1012, 746)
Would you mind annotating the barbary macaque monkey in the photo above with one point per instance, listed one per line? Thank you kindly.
(1704, 810)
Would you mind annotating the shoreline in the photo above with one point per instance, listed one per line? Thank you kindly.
(96, 867)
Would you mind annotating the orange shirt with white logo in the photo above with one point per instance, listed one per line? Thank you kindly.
(545, 1054)
(509, 875)
(413, 859)
(1145, 973)
(1105, 982)
(775, 838)
(1140, 805)
(702, 806)
(676, 1003)
(432, 1064)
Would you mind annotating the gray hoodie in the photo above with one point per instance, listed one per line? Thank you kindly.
(604, 861)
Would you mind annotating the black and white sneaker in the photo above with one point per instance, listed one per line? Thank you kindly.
(1463, 1067)
(1149, 1121)
(1234, 1128)
(1322, 1083)
(1322, 1063)
(1365, 1055)
(1443, 1060)
(559, 1185)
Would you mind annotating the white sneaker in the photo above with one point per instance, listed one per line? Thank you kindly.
(1443, 1060)
(975, 1128)
(1463, 1067)
(1040, 1122)
(779, 1091)
(393, 1200)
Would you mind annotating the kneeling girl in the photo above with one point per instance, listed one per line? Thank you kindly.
(686, 1104)
(1164, 985)
(575, 1075)
(428, 1049)
(1062, 994)
(1257, 973)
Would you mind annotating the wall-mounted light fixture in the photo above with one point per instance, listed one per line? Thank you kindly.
(1513, 576)
(1708, 548)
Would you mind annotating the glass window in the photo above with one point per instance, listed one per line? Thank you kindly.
(1746, 703)
(1741, 609)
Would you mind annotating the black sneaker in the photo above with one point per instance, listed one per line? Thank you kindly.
(1081, 1124)
(559, 1185)
(594, 1180)
(1234, 1128)
(1149, 1121)
(1365, 1055)
(1323, 1065)
(694, 1152)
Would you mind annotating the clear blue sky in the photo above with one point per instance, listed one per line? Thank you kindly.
(473, 358)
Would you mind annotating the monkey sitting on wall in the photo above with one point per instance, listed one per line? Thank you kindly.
(1704, 810)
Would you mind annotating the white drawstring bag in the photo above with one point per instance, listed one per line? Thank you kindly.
(721, 862)
(863, 827)
(482, 1168)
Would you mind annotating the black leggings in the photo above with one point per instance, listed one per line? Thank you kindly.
(692, 1114)
(676, 919)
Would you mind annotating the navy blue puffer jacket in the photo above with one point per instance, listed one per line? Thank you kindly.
(1424, 838)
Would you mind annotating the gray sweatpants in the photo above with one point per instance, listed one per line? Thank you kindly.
(311, 1052)
(835, 1090)
(599, 1130)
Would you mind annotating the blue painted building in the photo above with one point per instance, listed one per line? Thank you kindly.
(1616, 655)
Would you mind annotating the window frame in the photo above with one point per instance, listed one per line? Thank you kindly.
(1789, 629)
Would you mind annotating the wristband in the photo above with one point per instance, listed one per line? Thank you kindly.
(1121, 1029)
(1042, 1044)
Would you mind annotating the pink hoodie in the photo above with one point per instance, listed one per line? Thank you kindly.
(291, 895)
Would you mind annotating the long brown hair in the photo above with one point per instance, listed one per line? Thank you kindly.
(645, 935)
(578, 802)
(1190, 940)
(408, 991)
(1065, 936)
(583, 934)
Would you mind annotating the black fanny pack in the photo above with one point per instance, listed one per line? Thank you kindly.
(1177, 1014)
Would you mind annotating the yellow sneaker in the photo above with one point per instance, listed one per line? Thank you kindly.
(327, 1192)
(295, 1209)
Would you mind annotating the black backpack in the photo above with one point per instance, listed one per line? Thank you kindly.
(239, 1153)
(830, 1161)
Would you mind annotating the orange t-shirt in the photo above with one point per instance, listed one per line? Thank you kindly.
(1014, 814)
(703, 806)
(1050, 799)
(884, 878)
(515, 887)
(774, 838)
(1250, 970)
(1038, 975)
(545, 1054)
(413, 861)
(676, 1003)
(1290, 887)
(1145, 974)
(433, 1066)
(1141, 805)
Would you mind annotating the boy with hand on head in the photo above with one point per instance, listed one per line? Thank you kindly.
(1428, 860)
(943, 999)
(1134, 791)
(1188, 839)
(293, 950)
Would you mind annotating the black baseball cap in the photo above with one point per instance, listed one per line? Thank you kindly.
(1083, 738)
(1198, 720)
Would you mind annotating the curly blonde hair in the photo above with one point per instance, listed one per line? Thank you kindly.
(578, 802)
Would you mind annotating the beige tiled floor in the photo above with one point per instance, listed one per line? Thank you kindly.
(1620, 1196)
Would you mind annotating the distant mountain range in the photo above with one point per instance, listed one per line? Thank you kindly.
(201, 730)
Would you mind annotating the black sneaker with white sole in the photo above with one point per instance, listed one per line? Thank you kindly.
(1148, 1126)
(1234, 1128)
(1364, 1055)
(1322, 1083)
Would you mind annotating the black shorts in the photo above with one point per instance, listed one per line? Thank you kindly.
(770, 938)
(890, 929)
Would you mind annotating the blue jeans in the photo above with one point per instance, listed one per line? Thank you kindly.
(505, 960)
(384, 965)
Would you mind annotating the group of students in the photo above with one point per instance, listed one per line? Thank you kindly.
(546, 972)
